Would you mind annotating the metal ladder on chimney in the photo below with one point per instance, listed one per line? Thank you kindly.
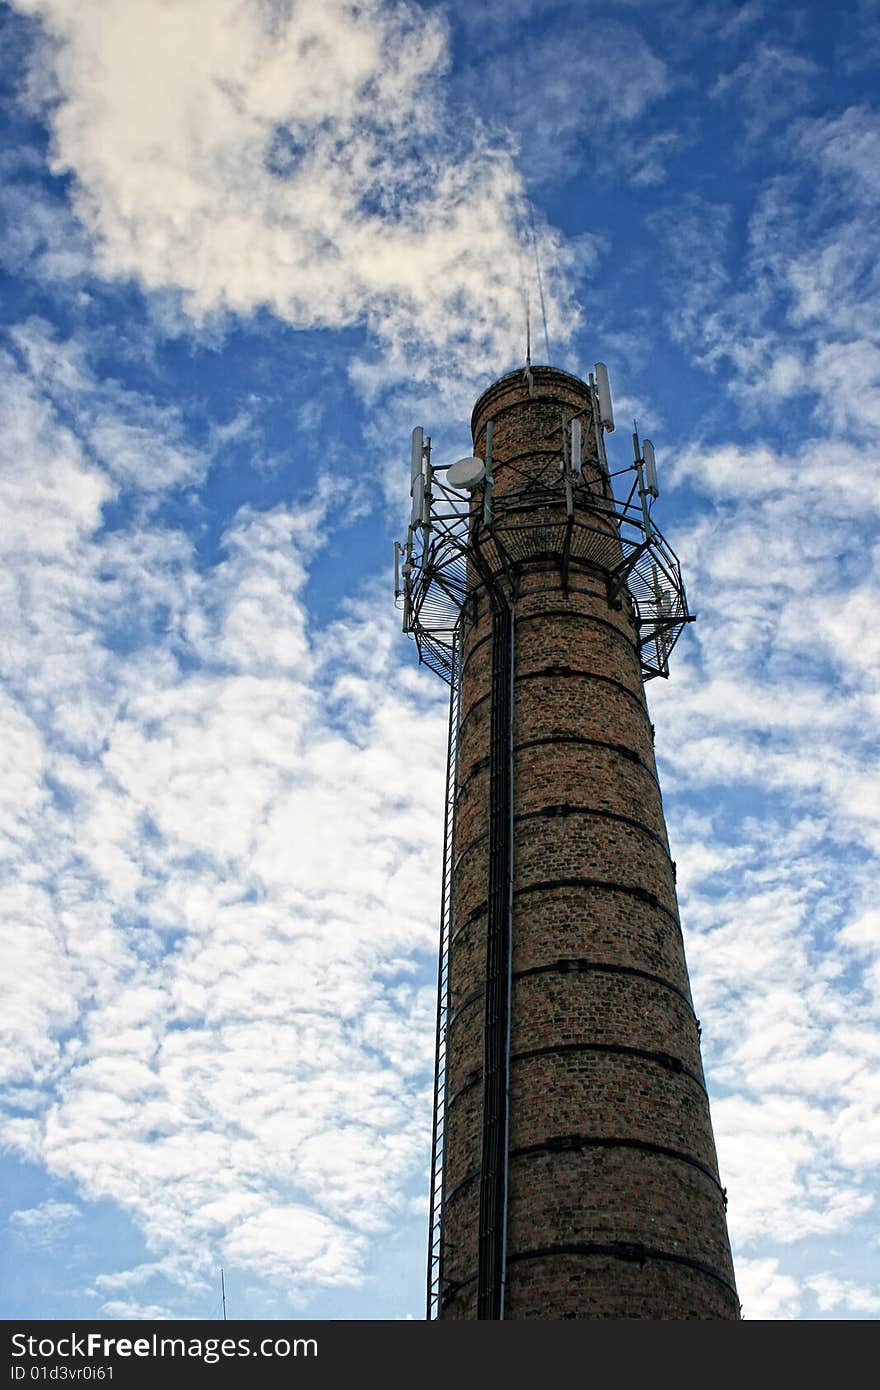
(434, 1307)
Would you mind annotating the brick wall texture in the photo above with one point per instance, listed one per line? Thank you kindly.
(615, 1205)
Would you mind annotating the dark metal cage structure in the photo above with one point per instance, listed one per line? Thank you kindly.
(454, 548)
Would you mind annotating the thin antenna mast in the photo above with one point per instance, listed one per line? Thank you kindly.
(223, 1292)
(640, 476)
(540, 285)
(528, 329)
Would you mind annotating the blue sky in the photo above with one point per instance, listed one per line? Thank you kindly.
(247, 245)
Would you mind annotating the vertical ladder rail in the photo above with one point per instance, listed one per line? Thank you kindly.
(434, 1302)
(492, 1233)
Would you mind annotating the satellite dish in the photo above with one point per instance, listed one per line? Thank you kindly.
(468, 473)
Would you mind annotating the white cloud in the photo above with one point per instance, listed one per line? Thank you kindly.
(742, 17)
(584, 114)
(770, 715)
(296, 1242)
(792, 317)
(767, 1294)
(802, 1190)
(850, 377)
(768, 86)
(44, 1223)
(298, 158)
(128, 1311)
(123, 1280)
(221, 876)
(832, 1292)
(140, 442)
(40, 233)
(848, 146)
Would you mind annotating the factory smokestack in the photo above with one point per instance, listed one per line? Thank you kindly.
(574, 1170)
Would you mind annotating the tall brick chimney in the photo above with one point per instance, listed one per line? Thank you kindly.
(575, 1168)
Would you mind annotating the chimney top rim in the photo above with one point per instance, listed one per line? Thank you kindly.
(542, 376)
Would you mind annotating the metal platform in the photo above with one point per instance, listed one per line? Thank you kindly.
(454, 553)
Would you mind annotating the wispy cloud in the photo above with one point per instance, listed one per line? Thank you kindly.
(217, 845)
(561, 98)
(832, 1293)
(221, 815)
(769, 86)
(765, 1292)
(300, 160)
(139, 442)
(793, 314)
(126, 1310)
(777, 704)
(44, 1223)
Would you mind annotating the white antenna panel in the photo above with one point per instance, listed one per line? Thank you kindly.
(603, 391)
(418, 444)
(650, 468)
(576, 447)
(418, 500)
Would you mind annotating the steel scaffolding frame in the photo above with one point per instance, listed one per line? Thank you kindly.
(455, 552)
